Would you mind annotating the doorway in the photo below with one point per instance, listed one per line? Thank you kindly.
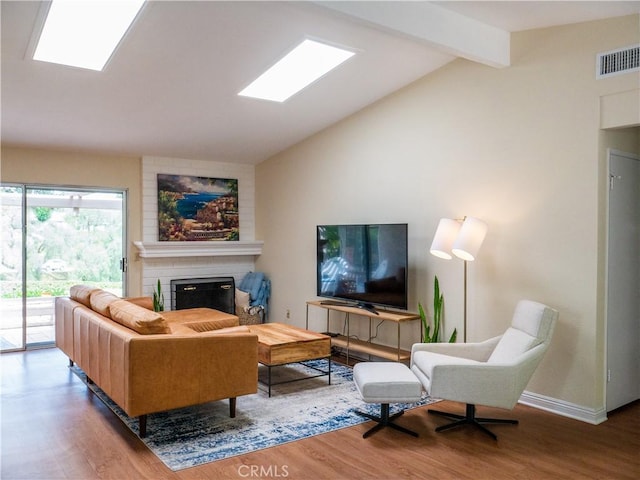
(52, 238)
(623, 284)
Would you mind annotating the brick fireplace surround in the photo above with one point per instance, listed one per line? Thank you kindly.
(173, 260)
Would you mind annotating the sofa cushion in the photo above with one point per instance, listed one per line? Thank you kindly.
(82, 294)
(100, 300)
(139, 319)
(146, 302)
(180, 329)
(228, 330)
(201, 319)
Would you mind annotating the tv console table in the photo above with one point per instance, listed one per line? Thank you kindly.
(367, 346)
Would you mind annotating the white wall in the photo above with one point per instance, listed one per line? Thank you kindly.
(518, 147)
(167, 269)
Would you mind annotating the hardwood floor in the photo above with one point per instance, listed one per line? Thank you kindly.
(53, 428)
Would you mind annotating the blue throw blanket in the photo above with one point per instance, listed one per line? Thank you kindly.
(259, 288)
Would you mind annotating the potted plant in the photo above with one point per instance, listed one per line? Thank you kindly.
(430, 336)
(158, 298)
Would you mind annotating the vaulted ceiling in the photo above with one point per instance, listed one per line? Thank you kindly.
(171, 87)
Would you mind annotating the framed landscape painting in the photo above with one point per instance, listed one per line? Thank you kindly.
(197, 208)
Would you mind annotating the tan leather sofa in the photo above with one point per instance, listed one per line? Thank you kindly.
(149, 362)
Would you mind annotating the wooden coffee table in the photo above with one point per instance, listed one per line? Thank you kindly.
(280, 344)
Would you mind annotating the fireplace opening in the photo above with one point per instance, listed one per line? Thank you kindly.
(218, 293)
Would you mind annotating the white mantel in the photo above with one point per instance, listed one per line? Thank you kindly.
(198, 249)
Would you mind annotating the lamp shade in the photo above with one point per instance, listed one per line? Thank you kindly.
(446, 234)
(470, 238)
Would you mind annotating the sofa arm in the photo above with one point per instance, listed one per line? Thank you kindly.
(64, 308)
(173, 371)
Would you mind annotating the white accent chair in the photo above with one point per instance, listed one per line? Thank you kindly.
(492, 373)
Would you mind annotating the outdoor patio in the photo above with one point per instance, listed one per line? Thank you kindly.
(40, 322)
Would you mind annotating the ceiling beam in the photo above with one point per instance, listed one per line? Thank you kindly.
(443, 29)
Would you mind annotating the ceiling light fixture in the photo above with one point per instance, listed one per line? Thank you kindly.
(84, 34)
(299, 68)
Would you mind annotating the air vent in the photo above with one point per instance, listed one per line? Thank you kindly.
(615, 62)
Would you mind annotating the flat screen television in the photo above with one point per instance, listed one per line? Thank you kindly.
(363, 265)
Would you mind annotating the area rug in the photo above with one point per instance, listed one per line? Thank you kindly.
(192, 436)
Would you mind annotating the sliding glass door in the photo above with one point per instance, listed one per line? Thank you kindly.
(52, 238)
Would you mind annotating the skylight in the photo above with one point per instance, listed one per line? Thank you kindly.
(299, 68)
(84, 33)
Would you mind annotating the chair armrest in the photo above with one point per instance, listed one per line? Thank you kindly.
(479, 352)
(492, 384)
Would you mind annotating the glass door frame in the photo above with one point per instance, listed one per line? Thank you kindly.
(23, 264)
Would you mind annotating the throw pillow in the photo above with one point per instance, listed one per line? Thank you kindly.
(100, 301)
(139, 319)
(513, 343)
(82, 294)
(242, 300)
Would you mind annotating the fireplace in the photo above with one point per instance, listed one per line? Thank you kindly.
(213, 292)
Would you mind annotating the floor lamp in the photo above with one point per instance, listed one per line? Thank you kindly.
(463, 239)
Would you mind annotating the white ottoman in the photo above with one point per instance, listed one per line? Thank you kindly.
(385, 383)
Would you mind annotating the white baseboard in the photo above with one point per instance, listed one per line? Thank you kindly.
(566, 409)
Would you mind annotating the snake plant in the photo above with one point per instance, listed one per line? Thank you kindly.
(430, 336)
(158, 298)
